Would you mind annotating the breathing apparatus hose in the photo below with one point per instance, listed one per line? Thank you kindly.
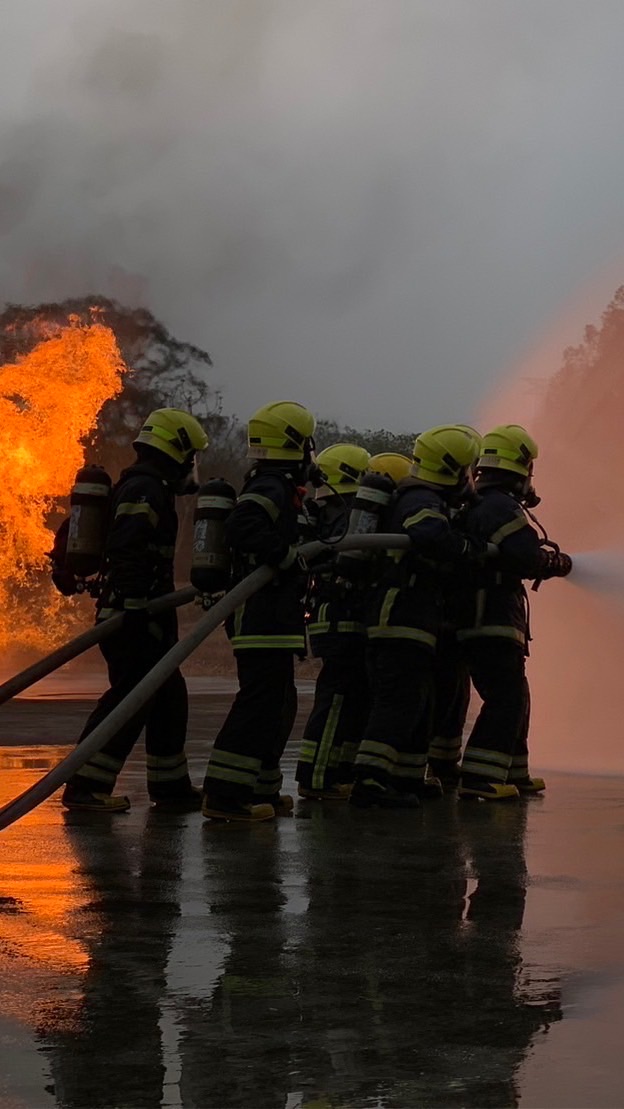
(152, 681)
(19, 682)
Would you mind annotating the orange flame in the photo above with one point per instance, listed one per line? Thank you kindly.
(49, 402)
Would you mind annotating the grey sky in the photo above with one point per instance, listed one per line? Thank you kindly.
(371, 206)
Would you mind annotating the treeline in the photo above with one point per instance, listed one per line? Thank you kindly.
(163, 371)
(580, 428)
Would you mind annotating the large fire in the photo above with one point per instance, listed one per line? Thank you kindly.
(49, 403)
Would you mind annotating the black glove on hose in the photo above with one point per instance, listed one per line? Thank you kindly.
(558, 565)
(64, 581)
(564, 565)
(476, 549)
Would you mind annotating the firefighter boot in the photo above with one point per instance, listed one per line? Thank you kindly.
(83, 800)
(529, 785)
(282, 803)
(470, 785)
(370, 794)
(432, 786)
(189, 800)
(226, 808)
(447, 771)
(341, 791)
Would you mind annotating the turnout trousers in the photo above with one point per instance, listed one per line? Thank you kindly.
(396, 740)
(336, 723)
(129, 657)
(452, 699)
(245, 762)
(497, 747)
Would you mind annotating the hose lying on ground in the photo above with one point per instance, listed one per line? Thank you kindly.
(146, 688)
(19, 682)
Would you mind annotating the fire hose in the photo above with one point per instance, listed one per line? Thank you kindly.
(147, 687)
(19, 682)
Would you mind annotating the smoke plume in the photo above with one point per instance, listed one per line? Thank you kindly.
(370, 207)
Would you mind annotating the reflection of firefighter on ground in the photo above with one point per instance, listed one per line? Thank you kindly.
(104, 1041)
(235, 1043)
(432, 994)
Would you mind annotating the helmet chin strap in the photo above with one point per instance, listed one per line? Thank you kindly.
(315, 476)
(188, 483)
(530, 498)
(311, 470)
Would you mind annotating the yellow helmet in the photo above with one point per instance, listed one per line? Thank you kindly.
(343, 465)
(508, 447)
(395, 466)
(173, 432)
(472, 432)
(280, 431)
(443, 454)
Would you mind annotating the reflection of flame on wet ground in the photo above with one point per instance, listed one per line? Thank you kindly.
(40, 890)
(32, 761)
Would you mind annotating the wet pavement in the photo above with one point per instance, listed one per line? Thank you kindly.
(464, 955)
(67, 684)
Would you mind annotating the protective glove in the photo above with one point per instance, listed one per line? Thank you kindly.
(293, 562)
(64, 581)
(558, 565)
(563, 565)
(476, 549)
(294, 573)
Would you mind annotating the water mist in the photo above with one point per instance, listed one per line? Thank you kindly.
(576, 665)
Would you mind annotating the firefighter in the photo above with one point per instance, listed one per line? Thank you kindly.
(243, 777)
(405, 620)
(452, 681)
(493, 616)
(138, 567)
(337, 635)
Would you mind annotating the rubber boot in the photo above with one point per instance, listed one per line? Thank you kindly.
(188, 801)
(530, 785)
(283, 804)
(472, 786)
(341, 791)
(370, 794)
(82, 800)
(431, 787)
(226, 808)
(447, 773)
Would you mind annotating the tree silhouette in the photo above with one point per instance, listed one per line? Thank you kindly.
(163, 370)
(375, 442)
(580, 428)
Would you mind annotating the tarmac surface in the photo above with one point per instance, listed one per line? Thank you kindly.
(464, 955)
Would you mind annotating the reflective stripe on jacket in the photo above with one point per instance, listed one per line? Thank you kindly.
(493, 602)
(263, 529)
(407, 603)
(336, 608)
(140, 543)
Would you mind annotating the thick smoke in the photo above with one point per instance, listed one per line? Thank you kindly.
(369, 206)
